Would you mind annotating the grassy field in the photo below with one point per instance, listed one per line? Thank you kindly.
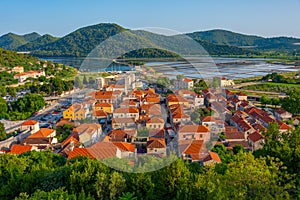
(272, 87)
(258, 78)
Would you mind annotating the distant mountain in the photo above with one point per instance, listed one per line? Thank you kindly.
(223, 37)
(82, 41)
(79, 42)
(37, 43)
(12, 41)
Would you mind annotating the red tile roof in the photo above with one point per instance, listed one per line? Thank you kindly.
(126, 110)
(124, 146)
(156, 143)
(256, 136)
(80, 152)
(42, 133)
(212, 156)
(29, 122)
(98, 104)
(156, 120)
(19, 149)
(193, 128)
(103, 150)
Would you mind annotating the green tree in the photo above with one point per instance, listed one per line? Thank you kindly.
(117, 185)
(275, 101)
(292, 102)
(3, 91)
(101, 185)
(3, 108)
(85, 81)
(12, 91)
(265, 100)
(179, 76)
(3, 135)
(78, 82)
(128, 196)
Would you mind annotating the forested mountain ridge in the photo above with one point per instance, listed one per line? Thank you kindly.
(83, 40)
(223, 37)
(37, 43)
(11, 41)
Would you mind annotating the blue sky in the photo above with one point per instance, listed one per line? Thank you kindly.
(60, 17)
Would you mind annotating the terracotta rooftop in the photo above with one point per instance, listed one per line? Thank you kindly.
(194, 128)
(29, 122)
(212, 156)
(124, 146)
(123, 120)
(156, 120)
(103, 150)
(126, 110)
(80, 152)
(98, 104)
(255, 136)
(19, 149)
(156, 143)
(42, 133)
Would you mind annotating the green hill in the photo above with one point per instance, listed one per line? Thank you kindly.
(12, 41)
(79, 42)
(38, 43)
(223, 37)
(216, 42)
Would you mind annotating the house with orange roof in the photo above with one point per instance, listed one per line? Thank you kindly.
(128, 112)
(156, 146)
(43, 133)
(182, 118)
(241, 96)
(283, 127)
(176, 99)
(30, 125)
(106, 107)
(115, 87)
(17, 69)
(192, 150)
(151, 99)
(211, 159)
(233, 134)
(282, 114)
(78, 152)
(123, 123)
(129, 103)
(155, 123)
(127, 149)
(194, 132)
(224, 82)
(75, 112)
(184, 83)
(19, 149)
(151, 109)
(104, 150)
(122, 135)
(255, 141)
(100, 114)
(106, 97)
(88, 133)
(21, 77)
(71, 142)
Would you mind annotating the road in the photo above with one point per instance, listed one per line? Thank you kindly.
(245, 84)
(14, 125)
